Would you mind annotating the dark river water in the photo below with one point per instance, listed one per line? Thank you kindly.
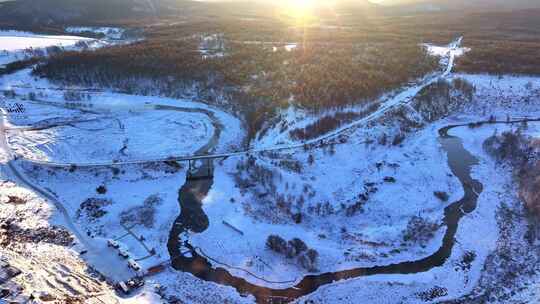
(193, 218)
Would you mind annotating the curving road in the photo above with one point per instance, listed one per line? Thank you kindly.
(12, 168)
(108, 262)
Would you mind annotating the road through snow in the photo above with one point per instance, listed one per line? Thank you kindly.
(104, 261)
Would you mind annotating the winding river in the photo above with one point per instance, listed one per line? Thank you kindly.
(193, 218)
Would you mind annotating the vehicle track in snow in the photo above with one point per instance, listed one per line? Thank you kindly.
(108, 261)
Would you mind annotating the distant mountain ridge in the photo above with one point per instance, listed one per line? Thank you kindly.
(27, 14)
(48, 12)
(440, 5)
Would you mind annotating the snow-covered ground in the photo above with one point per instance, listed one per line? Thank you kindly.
(122, 136)
(477, 233)
(52, 271)
(108, 126)
(98, 133)
(442, 51)
(15, 40)
(337, 177)
(343, 242)
(48, 267)
(16, 45)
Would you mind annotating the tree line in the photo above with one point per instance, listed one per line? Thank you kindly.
(254, 79)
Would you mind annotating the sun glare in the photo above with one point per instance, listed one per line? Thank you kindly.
(300, 9)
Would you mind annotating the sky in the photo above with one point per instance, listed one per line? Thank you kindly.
(512, 4)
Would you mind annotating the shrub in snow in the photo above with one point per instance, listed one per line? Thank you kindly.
(297, 217)
(308, 259)
(54, 49)
(464, 87)
(70, 95)
(115, 171)
(277, 244)
(419, 230)
(321, 209)
(92, 208)
(12, 199)
(332, 149)
(383, 140)
(291, 251)
(398, 139)
(325, 124)
(9, 94)
(311, 159)
(153, 200)
(298, 245)
(510, 146)
(522, 153)
(141, 215)
(443, 196)
(389, 179)
(442, 97)
(432, 294)
(466, 260)
(101, 189)
(529, 186)
(354, 208)
(291, 165)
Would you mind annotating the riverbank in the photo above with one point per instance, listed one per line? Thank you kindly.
(478, 233)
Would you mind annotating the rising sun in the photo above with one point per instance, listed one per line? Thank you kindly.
(300, 9)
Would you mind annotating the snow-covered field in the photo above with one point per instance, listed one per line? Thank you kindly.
(15, 40)
(477, 233)
(15, 45)
(371, 237)
(108, 126)
(343, 242)
(122, 136)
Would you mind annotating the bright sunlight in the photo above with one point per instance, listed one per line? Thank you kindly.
(300, 9)
(303, 10)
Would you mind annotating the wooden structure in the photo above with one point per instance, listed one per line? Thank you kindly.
(205, 171)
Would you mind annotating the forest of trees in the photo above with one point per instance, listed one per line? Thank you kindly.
(255, 79)
(329, 69)
(522, 153)
(501, 57)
